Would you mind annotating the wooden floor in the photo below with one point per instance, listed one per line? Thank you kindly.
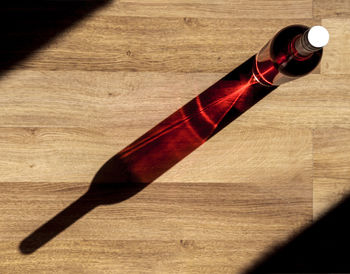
(95, 86)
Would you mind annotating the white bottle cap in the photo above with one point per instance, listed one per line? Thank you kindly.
(318, 36)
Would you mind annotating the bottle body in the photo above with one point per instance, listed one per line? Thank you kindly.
(279, 61)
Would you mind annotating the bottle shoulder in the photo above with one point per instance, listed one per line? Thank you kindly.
(287, 60)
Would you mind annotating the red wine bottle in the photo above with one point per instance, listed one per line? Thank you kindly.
(293, 52)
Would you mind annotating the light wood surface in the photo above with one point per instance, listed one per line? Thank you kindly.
(97, 86)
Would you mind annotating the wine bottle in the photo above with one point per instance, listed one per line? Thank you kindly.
(293, 52)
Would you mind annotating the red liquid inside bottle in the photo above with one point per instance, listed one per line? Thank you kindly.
(293, 52)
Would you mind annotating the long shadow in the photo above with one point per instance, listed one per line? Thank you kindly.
(26, 26)
(112, 184)
(143, 161)
(321, 248)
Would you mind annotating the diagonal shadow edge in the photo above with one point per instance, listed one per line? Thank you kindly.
(159, 149)
(27, 26)
(319, 248)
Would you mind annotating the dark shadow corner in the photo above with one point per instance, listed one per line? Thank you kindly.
(112, 184)
(320, 248)
(26, 26)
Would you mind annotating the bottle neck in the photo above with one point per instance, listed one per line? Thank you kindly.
(303, 46)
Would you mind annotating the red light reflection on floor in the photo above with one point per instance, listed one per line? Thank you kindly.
(143, 161)
(185, 130)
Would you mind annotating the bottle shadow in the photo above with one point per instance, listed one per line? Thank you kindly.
(151, 155)
(320, 248)
(112, 184)
(27, 26)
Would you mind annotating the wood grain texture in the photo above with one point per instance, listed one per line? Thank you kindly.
(127, 100)
(91, 90)
(213, 9)
(331, 167)
(112, 43)
(338, 51)
(74, 155)
(331, 9)
(190, 227)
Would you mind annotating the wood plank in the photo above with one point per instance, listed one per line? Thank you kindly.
(139, 100)
(315, 101)
(90, 99)
(239, 154)
(213, 9)
(327, 193)
(191, 226)
(331, 167)
(331, 9)
(96, 87)
(132, 256)
(112, 43)
(336, 58)
(164, 210)
(331, 151)
(236, 154)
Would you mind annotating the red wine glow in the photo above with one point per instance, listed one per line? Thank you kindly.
(186, 129)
